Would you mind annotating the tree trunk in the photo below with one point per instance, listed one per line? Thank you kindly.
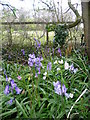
(86, 20)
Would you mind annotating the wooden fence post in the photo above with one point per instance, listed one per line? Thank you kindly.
(47, 38)
(9, 35)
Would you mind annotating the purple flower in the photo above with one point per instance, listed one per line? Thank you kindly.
(56, 84)
(36, 75)
(49, 66)
(30, 63)
(67, 95)
(4, 72)
(13, 84)
(48, 50)
(19, 77)
(6, 78)
(53, 50)
(23, 51)
(38, 68)
(60, 90)
(18, 90)
(59, 51)
(9, 56)
(64, 89)
(6, 91)
(31, 59)
(32, 56)
(75, 70)
(71, 67)
(10, 102)
(35, 61)
(57, 87)
(37, 44)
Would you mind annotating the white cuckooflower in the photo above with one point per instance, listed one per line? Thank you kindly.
(9, 79)
(44, 77)
(71, 95)
(58, 69)
(0, 69)
(56, 62)
(66, 65)
(45, 73)
(60, 61)
(42, 66)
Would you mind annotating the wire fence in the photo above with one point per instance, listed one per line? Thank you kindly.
(26, 31)
(16, 34)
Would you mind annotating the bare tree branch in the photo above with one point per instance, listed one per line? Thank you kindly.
(78, 17)
(69, 8)
(50, 8)
(9, 6)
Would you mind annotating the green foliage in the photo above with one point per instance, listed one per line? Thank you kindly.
(50, 28)
(61, 33)
(38, 98)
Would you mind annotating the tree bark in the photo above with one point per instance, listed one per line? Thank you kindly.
(86, 20)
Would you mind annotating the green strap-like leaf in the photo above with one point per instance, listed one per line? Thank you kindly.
(21, 108)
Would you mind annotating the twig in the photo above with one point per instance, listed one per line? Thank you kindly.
(9, 6)
(46, 4)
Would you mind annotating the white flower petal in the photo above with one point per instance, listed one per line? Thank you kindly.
(71, 95)
(60, 62)
(45, 73)
(44, 77)
(58, 69)
(66, 65)
(56, 62)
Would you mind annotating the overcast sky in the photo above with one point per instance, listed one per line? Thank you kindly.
(28, 4)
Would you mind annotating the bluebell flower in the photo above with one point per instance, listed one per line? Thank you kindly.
(48, 50)
(64, 89)
(10, 102)
(30, 63)
(13, 85)
(35, 61)
(9, 89)
(57, 87)
(32, 56)
(60, 90)
(38, 68)
(23, 51)
(18, 90)
(6, 91)
(56, 84)
(49, 66)
(75, 70)
(71, 67)
(53, 50)
(37, 44)
(6, 78)
(36, 75)
(59, 51)
(9, 56)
